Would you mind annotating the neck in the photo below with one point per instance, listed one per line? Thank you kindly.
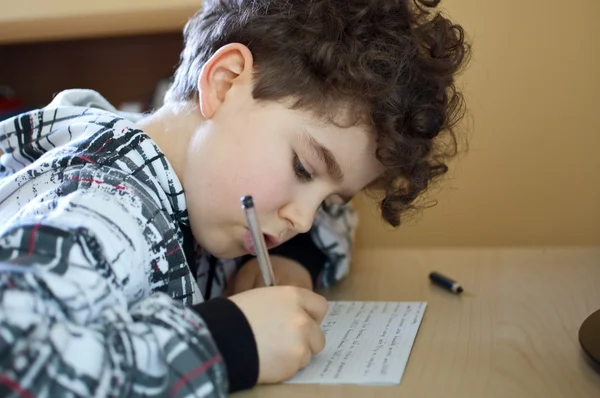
(171, 128)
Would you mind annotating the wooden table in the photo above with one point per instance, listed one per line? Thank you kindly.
(513, 333)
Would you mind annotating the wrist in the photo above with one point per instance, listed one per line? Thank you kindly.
(235, 341)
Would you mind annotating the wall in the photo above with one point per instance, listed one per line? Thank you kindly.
(531, 176)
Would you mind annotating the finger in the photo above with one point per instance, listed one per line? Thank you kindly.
(314, 304)
(306, 358)
(316, 339)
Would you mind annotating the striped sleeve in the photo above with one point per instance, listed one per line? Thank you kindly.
(333, 234)
(78, 316)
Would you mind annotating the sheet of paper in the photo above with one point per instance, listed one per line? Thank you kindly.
(367, 342)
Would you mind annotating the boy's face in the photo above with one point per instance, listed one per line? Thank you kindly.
(290, 161)
(266, 150)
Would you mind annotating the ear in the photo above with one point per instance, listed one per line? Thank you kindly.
(231, 64)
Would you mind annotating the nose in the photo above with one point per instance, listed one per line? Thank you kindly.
(300, 216)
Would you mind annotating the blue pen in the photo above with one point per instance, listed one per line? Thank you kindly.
(445, 282)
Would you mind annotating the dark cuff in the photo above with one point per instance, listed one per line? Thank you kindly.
(234, 338)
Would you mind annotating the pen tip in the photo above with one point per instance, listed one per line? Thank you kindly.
(459, 289)
(247, 202)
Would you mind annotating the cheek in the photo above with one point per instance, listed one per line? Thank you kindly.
(269, 184)
(216, 188)
(260, 167)
(232, 162)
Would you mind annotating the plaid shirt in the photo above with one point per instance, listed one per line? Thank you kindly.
(96, 296)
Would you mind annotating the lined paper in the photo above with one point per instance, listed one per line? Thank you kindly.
(367, 342)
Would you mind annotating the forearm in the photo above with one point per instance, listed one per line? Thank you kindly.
(76, 309)
(54, 342)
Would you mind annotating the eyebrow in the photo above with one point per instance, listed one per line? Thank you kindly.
(324, 156)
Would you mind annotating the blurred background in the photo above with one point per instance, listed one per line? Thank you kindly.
(529, 178)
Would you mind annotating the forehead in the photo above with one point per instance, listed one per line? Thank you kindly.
(344, 126)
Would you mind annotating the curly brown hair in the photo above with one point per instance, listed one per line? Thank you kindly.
(394, 60)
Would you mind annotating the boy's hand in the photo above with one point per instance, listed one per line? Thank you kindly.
(287, 273)
(285, 322)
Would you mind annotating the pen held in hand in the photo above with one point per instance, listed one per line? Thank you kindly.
(445, 282)
(259, 241)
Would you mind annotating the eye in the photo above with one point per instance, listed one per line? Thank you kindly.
(300, 170)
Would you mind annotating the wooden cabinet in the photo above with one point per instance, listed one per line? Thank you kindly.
(120, 48)
(40, 20)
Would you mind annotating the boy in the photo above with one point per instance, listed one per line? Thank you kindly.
(301, 104)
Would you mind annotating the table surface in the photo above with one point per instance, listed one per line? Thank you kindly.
(512, 333)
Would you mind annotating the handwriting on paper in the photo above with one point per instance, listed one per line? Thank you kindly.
(368, 342)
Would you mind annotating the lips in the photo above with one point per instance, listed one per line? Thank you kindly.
(248, 244)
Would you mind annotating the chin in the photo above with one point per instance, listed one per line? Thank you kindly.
(228, 255)
(219, 244)
(224, 252)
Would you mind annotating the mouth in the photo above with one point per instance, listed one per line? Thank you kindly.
(271, 241)
(248, 244)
